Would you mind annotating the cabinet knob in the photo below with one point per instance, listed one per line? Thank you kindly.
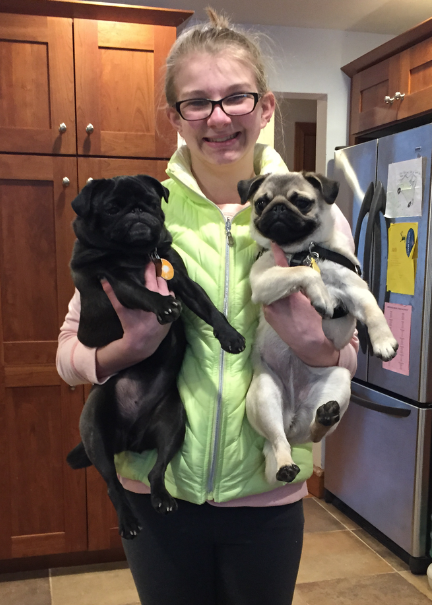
(62, 128)
(72, 388)
(389, 100)
(66, 182)
(89, 128)
(399, 96)
(89, 179)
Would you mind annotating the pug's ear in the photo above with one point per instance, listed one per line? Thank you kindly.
(247, 188)
(328, 188)
(162, 191)
(82, 204)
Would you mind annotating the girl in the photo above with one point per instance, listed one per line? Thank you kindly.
(235, 539)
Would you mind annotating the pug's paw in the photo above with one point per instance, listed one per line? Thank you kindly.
(230, 340)
(128, 524)
(168, 310)
(386, 348)
(328, 413)
(320, 300)
(287, 473)
(162, 502)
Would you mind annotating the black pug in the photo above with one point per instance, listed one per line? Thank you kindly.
(120, 229)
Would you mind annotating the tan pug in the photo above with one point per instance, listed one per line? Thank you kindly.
(289, 401)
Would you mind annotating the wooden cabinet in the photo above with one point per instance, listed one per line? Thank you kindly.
(392, 85)
(43, 502)
(36, 85)
(118, 96)
(73, 64)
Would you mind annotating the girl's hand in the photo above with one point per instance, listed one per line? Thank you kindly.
(142, 332)
(298, 324)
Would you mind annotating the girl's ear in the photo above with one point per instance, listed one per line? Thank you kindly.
(174, 118)
(268, 104)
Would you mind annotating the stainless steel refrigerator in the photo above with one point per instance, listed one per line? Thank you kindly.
(377, 462)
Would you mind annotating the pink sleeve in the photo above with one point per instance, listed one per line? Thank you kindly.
(348, 355)
(76, 363)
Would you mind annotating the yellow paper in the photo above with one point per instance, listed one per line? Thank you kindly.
(402, 255)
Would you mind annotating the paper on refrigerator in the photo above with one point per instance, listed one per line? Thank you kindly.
(405, 189)
(399, 320)
(402, 257)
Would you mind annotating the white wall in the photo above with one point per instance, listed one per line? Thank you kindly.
(309, 61)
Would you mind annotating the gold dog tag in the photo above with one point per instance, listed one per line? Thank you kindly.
(314, 265)
(164, 269)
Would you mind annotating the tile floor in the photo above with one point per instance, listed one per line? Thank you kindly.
(341, 565)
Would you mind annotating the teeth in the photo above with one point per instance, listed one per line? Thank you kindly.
(222, 140)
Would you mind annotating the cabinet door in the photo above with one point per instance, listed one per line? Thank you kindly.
(369, 89)
(102, 518)
(42, 500)
(119, 96)
(416, 80)
(36, 85)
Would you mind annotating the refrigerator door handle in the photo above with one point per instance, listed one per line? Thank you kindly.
(369, 204)
(364, 209)
(383, 409)
(373, 225)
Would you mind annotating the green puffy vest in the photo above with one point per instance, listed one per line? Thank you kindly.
(222, 456)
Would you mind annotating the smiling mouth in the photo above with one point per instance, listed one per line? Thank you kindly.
(222, 139)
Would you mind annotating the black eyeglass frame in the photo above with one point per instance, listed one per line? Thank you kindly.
(256, 95)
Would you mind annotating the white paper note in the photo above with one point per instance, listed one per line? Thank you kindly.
(405, 188)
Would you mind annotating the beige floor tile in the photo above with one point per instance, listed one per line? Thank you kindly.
(93, 586)
(338, 554)
(420, 582)
(25, 589)
(384, 589)
(298, 599)
(381, 550)
(317, 519)
(346, 521)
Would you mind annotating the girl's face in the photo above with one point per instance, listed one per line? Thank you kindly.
(219, 139)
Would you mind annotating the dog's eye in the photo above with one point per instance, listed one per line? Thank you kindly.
(261, 203)
(113, 210)
(304, 204)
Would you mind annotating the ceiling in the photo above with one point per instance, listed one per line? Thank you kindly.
(377, 16)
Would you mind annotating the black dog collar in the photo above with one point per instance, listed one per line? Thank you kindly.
(317, 252)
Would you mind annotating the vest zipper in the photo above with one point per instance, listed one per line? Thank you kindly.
(216, 433)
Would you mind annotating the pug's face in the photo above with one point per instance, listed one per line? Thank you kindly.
(121, 211)
(289, 209)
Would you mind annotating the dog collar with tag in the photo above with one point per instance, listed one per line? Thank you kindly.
(315, 252)
(309, 258)
(163, 267)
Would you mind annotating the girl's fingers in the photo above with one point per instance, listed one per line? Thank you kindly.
(279, 255)
(154, 283)
(110, 293)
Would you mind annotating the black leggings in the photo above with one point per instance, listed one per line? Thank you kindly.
(205, 555)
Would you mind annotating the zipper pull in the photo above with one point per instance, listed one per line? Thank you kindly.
(230, 239)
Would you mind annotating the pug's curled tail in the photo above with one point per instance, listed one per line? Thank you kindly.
(77, 458)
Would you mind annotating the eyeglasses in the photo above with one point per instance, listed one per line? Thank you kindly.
(238, 104)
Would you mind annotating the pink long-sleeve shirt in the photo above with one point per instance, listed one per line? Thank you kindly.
(76, 364)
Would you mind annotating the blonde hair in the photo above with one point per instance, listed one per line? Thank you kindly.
(214, 37)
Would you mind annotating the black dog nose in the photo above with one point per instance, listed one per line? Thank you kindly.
(137, 210)
(279, 208)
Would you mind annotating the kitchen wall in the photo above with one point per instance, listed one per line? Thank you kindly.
(309, 61)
